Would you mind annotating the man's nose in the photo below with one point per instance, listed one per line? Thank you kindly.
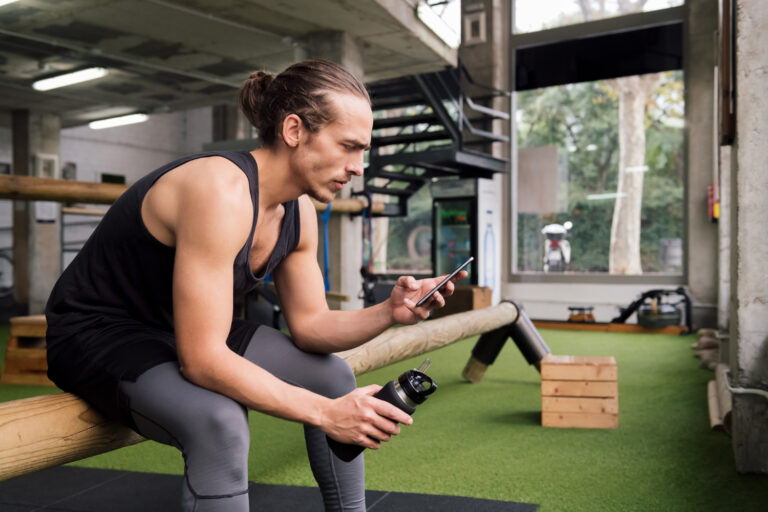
(356, 166)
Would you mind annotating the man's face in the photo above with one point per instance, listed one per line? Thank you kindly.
(327, 159)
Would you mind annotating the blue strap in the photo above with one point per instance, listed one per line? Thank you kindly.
(326, 216)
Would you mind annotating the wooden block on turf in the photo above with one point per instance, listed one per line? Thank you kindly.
(579, 392)
(580, 405)
(32, 326)
(578, 368)
(579, 420)
(25, 356)
(596, 389)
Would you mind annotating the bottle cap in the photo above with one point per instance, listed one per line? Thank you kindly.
(416, 385)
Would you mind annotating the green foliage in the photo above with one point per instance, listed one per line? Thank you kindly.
(582, 121)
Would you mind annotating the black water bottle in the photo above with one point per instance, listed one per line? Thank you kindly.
(406, 392)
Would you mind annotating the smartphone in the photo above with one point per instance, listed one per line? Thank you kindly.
(433, 290)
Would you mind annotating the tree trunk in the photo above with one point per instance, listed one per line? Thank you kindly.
(633, 92)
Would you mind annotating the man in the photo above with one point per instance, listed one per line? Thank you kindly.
(140, 324)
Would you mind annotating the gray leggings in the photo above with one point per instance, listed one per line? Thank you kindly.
(211, 430)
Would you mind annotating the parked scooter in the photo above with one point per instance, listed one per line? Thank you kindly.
(557, 250)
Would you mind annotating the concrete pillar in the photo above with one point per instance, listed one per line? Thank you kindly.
(701, 236)
(749, 327)
(724, 293)
(486, 26)
(36, 224)
(344, 230)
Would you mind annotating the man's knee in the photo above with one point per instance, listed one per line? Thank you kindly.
(226, 426)
(217, 452)
(336, 378)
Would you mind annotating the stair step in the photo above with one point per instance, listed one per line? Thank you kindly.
(392, 122)
(399, 176)
(406, 138)
(395, 86)
(448, 161)
(399, 101)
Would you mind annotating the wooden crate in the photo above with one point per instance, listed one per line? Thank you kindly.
(579, 392)
(465, 298)
(25, 357)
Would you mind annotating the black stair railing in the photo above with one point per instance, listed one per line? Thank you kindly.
(424, 127)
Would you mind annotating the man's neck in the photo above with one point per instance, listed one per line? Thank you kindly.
(275, 183)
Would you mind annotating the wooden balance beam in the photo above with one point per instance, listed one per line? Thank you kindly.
(45, 431)
(30, 188)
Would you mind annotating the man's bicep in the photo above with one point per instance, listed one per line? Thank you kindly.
(208, 238)
(299, 284)
(298, 278)
(202, 303)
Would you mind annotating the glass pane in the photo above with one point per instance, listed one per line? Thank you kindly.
(409, 242)
(576, 211)
(530, 16)
(453, 223)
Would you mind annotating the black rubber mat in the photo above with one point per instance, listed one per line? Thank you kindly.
(72, 489)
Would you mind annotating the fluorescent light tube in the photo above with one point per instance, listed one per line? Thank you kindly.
(69, 78)
(117, 121)
(6, 2)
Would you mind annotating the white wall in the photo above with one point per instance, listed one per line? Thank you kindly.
(132, 151)
(137, 149)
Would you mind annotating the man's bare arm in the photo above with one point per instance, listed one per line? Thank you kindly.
(216, 220)
(317, 328)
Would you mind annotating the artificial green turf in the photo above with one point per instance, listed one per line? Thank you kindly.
(485, 440)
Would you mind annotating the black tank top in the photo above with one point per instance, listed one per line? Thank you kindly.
(115, 299)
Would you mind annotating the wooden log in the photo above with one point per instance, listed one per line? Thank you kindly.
(31, 188)
(715, 417)
(78, 210)
(724, 401)
(45, 431)
(405, 342)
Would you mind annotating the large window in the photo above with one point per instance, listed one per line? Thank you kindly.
(600, 176)
(530, 15)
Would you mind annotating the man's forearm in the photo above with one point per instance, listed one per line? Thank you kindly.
(234, 376)
(334, 331)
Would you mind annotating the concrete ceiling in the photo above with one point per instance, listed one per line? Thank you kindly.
(165, 55)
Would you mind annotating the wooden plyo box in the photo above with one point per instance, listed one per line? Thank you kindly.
(579, 392)
(25, 356)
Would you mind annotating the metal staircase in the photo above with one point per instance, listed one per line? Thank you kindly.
(426, 126)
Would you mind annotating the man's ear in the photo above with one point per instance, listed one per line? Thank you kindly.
(292, 129)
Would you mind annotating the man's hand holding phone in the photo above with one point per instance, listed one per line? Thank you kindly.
(414, 299)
